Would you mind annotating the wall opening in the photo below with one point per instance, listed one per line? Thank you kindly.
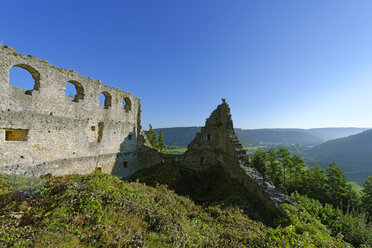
(125, 164)
(24, 77)
(130, 136)
(105, 99)
(127, 104)
(208, 137)
(74, 90)
(93, 128)
(101, 125)
(16, 134)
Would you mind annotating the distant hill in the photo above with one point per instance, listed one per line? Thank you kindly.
(277, 136)
(182, 136)
(326, 134)
(353, 154)
(178, 136)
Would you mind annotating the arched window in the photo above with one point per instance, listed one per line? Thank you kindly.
(105, 99)
(24, 77)
(127, 104)
(74, 90)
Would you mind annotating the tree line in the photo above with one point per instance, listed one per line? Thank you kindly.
(328, 186)
(156, 141)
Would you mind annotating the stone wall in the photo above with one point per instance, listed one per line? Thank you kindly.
(43, 131)
(217, 144)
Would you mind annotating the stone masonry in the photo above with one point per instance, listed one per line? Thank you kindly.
(217, 144)
(43, 131)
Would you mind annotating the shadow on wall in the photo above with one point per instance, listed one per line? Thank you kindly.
(126, 160)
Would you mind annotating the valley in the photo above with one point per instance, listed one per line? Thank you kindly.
(347, 147)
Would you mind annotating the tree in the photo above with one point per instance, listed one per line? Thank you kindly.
(259, 161)
(367, 197)
(314, 183)
(151, 135)
(273, 169)
(351, 198)
(161, 144)
(336, 184)
(298, 169)
(285, 160)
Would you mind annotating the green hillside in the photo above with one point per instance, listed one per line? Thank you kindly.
(327, 134)
(277, 136)
(99, 210)
(353, 154)
(178, 136)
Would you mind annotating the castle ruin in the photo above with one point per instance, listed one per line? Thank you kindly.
(43, 131)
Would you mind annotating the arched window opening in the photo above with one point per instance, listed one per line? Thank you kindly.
(24, 77)
(74, 90)
(127, 104)
(105, 99)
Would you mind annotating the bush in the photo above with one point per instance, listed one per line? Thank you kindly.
(354, 228)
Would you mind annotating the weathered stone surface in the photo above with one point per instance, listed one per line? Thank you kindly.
(147, 156)
(217, 144)
(64, 135)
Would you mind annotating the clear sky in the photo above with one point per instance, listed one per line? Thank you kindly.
(279, 64)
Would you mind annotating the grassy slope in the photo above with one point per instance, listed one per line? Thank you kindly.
(99, 210)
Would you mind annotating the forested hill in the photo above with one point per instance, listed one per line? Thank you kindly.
(355, 150)
(178, 136)
(327, 134)
(182, 136)
(277, 136)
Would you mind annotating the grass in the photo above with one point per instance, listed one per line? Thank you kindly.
(99, 210)
(176, 150)
(251, 150)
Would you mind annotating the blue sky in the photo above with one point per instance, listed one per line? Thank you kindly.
(279, 64)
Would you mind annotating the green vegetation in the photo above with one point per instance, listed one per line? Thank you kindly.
(328, 186)
(99, 210)
(351, 153)
(367, 197)
(151, 136)
(156, 141)
(175, 149)
(161, 144)
(352, 227)
(163, 206)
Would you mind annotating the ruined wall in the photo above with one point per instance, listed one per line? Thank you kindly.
(43, 131)
(217, 144)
